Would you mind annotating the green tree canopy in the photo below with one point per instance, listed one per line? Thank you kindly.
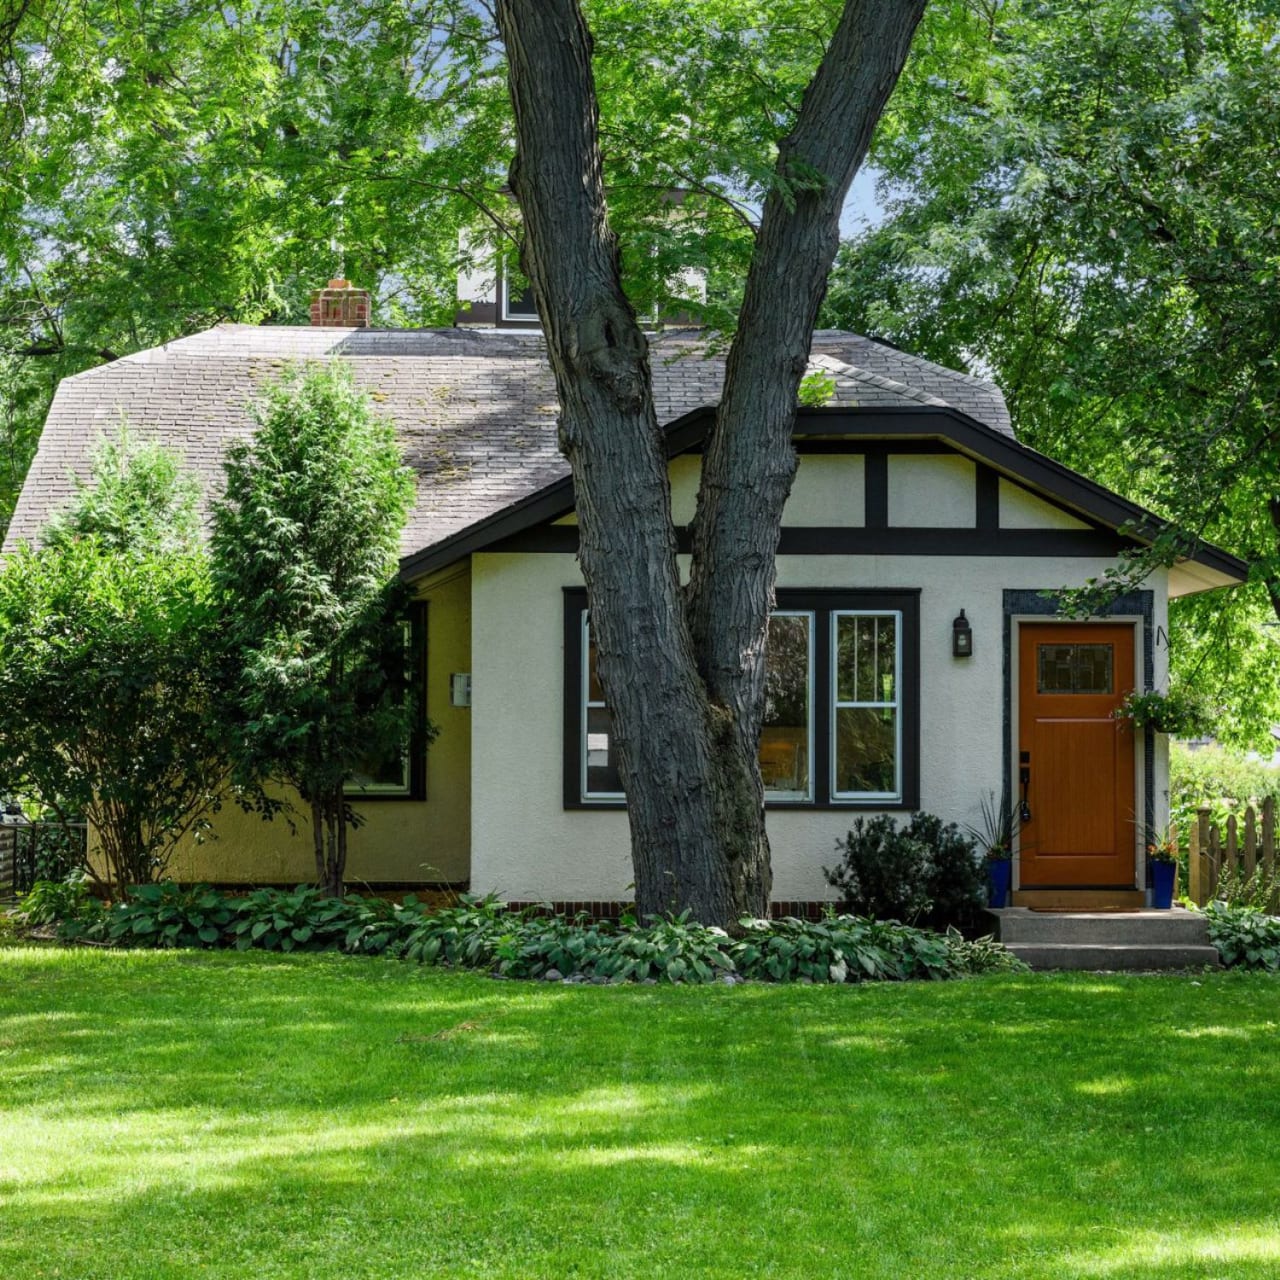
(169, 165)
(1082, 203)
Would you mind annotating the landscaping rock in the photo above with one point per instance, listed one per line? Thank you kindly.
(553, 975)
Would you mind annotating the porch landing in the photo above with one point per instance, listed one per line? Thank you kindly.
(1141, 939)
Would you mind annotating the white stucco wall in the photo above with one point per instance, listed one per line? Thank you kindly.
(1022, 510)
(526, 845)
(931, 492)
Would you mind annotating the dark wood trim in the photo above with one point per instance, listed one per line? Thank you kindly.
(841, 540)
(575, 601)
(986, 496)
(901, 448)
(821, 601)
(875, 478)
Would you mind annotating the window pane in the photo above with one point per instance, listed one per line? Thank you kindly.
(866, 750)
(602, 759)
(595, 690)
(386, 775)
(846, 659)
(866, 658)
(784, 740)
(886, 664)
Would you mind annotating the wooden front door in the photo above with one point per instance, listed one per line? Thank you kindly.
(1078, 759)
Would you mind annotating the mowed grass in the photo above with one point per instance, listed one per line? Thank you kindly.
(178, 1115)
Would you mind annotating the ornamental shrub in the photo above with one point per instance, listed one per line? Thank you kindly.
(883, 871)
(924, 872)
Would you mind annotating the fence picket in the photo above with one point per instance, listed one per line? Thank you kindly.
(1195, 879)
(1250, 842)
(1269, 836)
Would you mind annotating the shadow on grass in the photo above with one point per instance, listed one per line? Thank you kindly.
(173, 1115)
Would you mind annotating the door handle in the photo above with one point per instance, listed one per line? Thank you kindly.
(1024, 809)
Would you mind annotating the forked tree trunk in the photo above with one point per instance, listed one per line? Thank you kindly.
(683, 671)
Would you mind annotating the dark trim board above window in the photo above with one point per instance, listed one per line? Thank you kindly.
(412, 781)
(849, 740)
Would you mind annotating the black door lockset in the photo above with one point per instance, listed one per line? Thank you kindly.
(1024, 777)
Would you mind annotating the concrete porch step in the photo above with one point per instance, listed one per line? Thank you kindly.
(1145, 925)
(1113, 956)
(1141, 939)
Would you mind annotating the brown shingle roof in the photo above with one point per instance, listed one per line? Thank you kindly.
(475, 409)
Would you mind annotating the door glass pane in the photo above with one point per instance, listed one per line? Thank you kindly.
(784, 740)
(866, 750)
(1056, 668)
(1074, 668)
(1093, 668)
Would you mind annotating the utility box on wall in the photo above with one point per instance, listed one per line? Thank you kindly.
(460, 689)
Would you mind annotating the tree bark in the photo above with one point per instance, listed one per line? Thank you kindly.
(684, 685)
(317, 840)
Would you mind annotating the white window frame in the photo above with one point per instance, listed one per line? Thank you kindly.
(806, 796)
(837, 705)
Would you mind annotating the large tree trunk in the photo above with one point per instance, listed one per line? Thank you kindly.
(685, 686)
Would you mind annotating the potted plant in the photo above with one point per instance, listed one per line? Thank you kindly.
(1162, 858)
(1180, 713)
(994, 834)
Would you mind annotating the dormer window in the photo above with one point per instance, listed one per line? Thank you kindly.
(516, 294)
(517, 302)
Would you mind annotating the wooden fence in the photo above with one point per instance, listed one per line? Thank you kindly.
(1246, 846)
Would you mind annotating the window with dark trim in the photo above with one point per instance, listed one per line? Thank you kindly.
(404, 776)
(841, 716)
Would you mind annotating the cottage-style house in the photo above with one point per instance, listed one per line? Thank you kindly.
(918, 659)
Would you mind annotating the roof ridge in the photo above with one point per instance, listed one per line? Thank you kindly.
(879, 380)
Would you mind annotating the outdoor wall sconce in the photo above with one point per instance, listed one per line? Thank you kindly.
(961, 637)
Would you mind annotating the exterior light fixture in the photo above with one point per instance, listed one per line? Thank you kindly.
(961, 637)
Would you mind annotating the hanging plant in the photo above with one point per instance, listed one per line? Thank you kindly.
(1178, 713)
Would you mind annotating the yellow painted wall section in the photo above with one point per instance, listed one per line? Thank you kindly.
(401, 841)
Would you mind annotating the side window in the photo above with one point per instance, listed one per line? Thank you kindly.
(600, 777)
(402, 776)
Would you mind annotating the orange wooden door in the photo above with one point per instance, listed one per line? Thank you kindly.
(1071, 677)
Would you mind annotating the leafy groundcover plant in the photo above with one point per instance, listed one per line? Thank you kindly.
(484, 934)
(1245, 937)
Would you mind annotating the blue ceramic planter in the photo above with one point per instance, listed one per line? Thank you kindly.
(999, 874)
(1162, 878)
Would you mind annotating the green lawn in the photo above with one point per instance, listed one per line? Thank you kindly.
(255, 1116)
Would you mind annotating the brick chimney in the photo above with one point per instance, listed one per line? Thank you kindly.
(340, 306)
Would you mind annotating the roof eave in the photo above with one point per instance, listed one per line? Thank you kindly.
(1068, 488)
